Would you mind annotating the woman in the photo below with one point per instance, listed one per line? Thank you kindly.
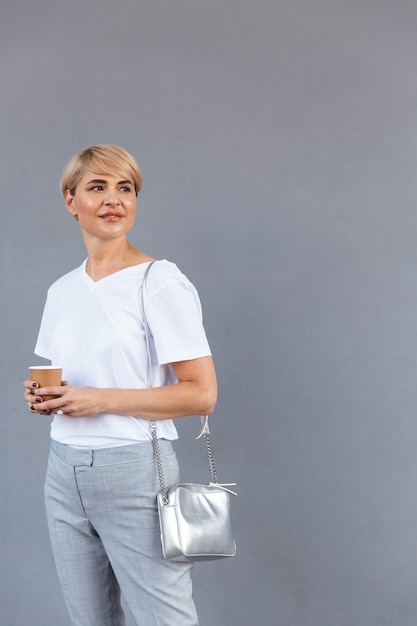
(101, 482)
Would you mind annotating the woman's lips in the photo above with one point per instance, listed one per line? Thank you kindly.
(111, 216)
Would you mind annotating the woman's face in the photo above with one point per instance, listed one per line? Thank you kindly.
(105, 205)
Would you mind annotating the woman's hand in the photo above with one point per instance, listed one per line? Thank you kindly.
(73, 401)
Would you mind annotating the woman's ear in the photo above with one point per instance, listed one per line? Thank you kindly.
(70, 204)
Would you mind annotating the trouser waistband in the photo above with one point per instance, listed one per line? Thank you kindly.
(108, 456)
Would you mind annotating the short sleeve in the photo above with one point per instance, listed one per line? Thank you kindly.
(43, 346)
(175, 320)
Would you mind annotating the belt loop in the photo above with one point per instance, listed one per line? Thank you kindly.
(91, 457)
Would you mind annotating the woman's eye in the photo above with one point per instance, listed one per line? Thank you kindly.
(125, 189)
(97, 188)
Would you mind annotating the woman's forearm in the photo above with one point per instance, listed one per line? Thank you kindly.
(159, 403)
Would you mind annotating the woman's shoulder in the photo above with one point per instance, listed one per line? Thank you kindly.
(166, 270)
(164, 273)
(70, 277)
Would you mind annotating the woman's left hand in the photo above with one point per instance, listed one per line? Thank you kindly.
(73, 401)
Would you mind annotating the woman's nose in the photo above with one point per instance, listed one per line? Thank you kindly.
(111, 197)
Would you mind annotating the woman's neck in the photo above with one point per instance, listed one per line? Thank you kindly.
(109, 259)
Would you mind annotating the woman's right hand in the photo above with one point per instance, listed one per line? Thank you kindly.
(32, 398)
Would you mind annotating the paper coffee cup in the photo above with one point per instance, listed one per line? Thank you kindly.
(46, 376)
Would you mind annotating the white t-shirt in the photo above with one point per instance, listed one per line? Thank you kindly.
(95, 331)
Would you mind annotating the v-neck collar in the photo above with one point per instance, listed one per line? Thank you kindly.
(94, 283)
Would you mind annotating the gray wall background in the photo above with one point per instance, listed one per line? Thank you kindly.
(278, 146)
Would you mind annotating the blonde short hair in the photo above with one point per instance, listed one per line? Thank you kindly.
(101, 159)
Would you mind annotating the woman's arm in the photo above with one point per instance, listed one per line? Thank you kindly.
(195, 393)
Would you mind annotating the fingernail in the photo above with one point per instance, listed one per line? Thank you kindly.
(34, 384)
(32, 407)
(38, 400)
(32, 391)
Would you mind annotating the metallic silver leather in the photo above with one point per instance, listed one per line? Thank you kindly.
(195, 522)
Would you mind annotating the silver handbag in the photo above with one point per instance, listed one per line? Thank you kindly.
(195, 519)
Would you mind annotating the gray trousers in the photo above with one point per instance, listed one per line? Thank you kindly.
(104, 531)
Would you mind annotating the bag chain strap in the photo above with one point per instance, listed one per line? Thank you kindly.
(206, 434)
(204, 420)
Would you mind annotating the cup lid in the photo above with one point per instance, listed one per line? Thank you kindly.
(45, 367)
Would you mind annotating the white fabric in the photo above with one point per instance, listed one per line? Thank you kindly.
(95, 331)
